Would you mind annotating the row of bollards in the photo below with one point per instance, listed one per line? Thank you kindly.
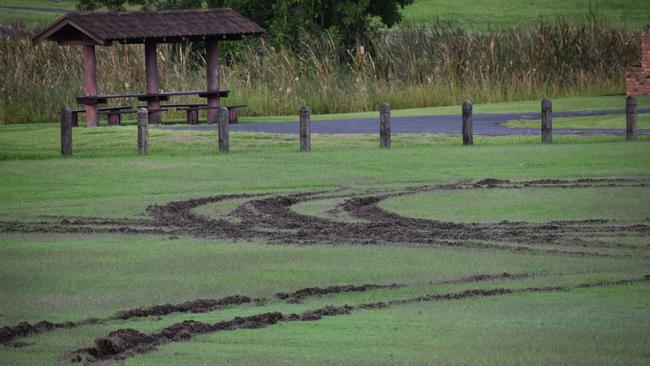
(547, 121)
(143, 131)
(66, 131)
(305, 121)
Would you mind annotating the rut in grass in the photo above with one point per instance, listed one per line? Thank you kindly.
(125, 343)
(270, 219)
(10, 334)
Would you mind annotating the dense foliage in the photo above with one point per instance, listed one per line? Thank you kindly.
(286, 19)
(406, 67)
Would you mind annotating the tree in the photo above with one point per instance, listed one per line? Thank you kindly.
(350, 19)
(285, 19)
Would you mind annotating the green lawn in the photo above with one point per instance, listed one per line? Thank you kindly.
(62, 277)
(34, 12)
(531, 204)
(612, 121)
(632, 14)
(557, 329)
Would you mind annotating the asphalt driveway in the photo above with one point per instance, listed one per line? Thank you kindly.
(484, 124)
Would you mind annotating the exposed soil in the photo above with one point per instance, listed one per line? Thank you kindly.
(194, 306)
(317, 314)
(487, 277)
(8, 334)
(297, 296)
(125, 343)
(270, 219)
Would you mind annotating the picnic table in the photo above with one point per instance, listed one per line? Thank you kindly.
(152, 99)
(147, 97)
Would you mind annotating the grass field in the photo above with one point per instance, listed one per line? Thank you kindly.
(631, 14)
(77, 270)
(34, 12)
(507, 252)
(615, 121)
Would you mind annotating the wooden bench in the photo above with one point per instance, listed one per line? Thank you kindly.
(113, 113)
(232, 112)
(193, 112)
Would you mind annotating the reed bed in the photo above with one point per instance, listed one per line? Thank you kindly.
(410, 67)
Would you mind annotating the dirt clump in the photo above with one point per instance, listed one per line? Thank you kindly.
(299, 295)
(491, 182)
(120, 341)
(194, 306)
(485, 277)
(317, 314)
(124, 343)
(9, 333)
(184, 330)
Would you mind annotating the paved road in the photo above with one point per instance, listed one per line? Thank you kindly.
(484, 124)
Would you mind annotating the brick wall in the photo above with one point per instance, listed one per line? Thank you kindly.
(637, 77)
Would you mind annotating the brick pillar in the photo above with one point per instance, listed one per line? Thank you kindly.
(637, 77)
(645, 53)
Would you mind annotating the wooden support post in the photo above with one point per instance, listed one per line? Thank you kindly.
(153, 87)
(547, 121)
(305, 133)
(66, 132)
(232, 115)
(212, 74)
(75, 119)
(468, 125)
(90, 84)
(192, 116)
(224, 139)
(114, 118)
(143, 131)
(630, 118)
(384, 126)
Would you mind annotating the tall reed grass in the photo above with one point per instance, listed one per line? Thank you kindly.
(441, 64)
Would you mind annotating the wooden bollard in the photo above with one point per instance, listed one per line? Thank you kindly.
(143, 131)
(547, 121)
(305, 133)
(224, 139)
(468, 125)
(384, 126)
(630, 118)
(66, 132)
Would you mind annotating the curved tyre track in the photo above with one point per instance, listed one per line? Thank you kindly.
(270, 219)
(125, 343)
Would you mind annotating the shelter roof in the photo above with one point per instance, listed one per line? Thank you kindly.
(103, 28)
